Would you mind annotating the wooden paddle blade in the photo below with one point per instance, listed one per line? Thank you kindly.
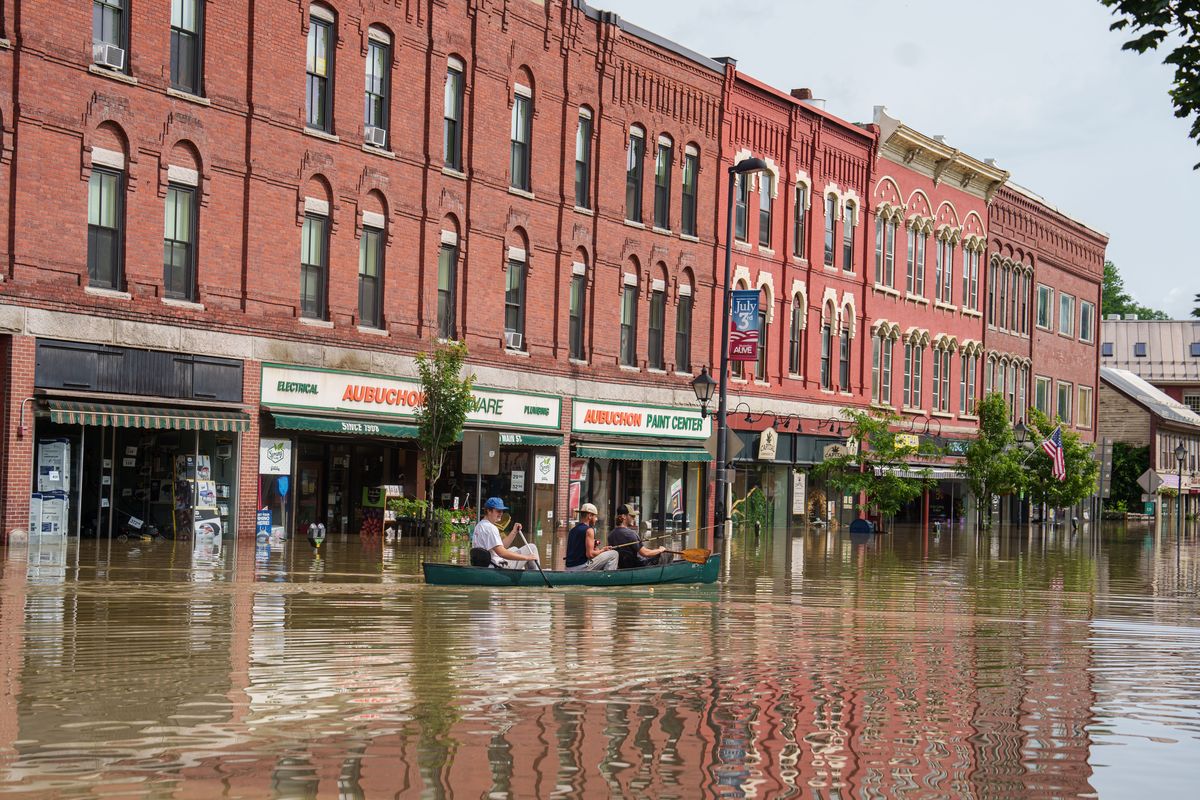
(695, 555)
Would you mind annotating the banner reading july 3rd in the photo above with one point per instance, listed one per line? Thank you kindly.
(743, 326)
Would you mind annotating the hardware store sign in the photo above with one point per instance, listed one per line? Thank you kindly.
(629, 419)
(398, 398)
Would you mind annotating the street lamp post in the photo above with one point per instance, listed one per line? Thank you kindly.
(747, 166)
(1180, 457)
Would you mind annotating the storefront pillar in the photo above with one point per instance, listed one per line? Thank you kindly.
(19, 354)
(248, 483)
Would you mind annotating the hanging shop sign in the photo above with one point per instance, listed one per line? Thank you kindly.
(274, 456)
(632, 419)
(768, 444)
(743, 325)
(543, 469)
(799, 492)
(907, 441)
(360, 393)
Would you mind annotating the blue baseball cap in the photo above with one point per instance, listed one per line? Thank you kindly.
(496, 503)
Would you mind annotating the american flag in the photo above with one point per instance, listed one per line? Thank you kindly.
(1054, 448)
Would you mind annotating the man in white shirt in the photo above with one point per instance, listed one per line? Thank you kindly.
(487, 536)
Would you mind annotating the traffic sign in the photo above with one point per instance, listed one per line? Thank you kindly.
(1150, 481)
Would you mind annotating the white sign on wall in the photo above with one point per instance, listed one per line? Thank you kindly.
(543, 469)
(517, 482)
(799, 492)
(632, 419)
(351, 392)
(274, 456)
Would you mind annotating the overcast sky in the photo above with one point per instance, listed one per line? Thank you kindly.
(1043, 87)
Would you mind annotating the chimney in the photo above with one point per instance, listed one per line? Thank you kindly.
(1131, 317)
(991, 162)
(802, 94)
(939, 138)
(1114, 317)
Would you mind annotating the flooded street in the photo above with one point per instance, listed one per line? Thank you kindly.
(1017, 663)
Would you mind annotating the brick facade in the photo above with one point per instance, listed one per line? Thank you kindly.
(258, 170)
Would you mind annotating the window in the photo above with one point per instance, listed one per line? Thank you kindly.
(939, 270)
(885, 252)
(662, 184)
(514, 304)
(691, 170)
(583, 160)
(878, 344)
(447, 309)
(766, 188)
(319, 97)
(1016, 284)
(797, 325)
(826, 347)
(844, 362)
(578, 298)
(109, 30)
(658, 310)
(848, 238)
(966, 387)
(1026, 282)
(375, 97)
(683, 331)
(1087, 313)
(1193, 350)
(1002, 318)
(1041, 394)
(800, 221)
(629, 325)
(370, 277)
(970, 279)
(1012, 390)
(1192, 401)
(993, 276)
(452, 112)
(760, 365)
(1139, 349)
(314, 261)
(741, 209)
(519, 166)
(941, 380)
(947, 296)
(915, 278)
(914, 355)
(1022, 388)
(633, 174)
(1106, 349)
(106, 225)
(830, 218)
(879, 248)
(1064, 401)
(179, 250)
(1045, 297)
(187, 16)
(1066, 314)
(1085, 407)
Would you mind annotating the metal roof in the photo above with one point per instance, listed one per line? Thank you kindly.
(1168, 356)
(1146, 395)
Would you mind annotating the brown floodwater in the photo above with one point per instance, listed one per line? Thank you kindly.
(1014, 663)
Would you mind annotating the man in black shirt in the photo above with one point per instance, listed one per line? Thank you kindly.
(628, 544)
(582, 553)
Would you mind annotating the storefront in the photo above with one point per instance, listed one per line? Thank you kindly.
(135, 442)
(352, 439)
(652, 458)
(774, 482)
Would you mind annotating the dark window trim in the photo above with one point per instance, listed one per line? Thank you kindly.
(119, 249)
(198, 56)
(328, 78)
(193, 245)
(385, 90)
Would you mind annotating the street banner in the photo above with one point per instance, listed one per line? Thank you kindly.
(743, 326)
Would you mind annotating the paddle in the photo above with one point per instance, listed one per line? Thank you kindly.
(694, 555)
(549, 585)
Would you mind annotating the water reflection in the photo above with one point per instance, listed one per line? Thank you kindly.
(1059, 663)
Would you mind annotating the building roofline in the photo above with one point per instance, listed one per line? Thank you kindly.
(894, 132)
(779, 94)
(1123, 380)
(1037, 198)
(650, 36)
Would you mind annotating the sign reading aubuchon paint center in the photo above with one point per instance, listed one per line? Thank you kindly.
(631, 419)
(358, 393)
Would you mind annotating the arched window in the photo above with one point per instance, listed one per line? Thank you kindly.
(314, 250)
(683, 325)
(760, 366)
(106, 211)
(452, 114)
(663, 161)
(578, 309)
(882, 346)
(322, 41)
(741, 209)
(966, 389)
(766, 191)
(691, 177)
(795, 331)
(514, 295)
(633, 173)
(830, 222)
(376, 105)
(629, 314)
(800, 222)
(521, 140)
(827, 325)
(447, 310)
(656, 329)
(914, 363)
(370, 263)
(848, 224)
(583, 159)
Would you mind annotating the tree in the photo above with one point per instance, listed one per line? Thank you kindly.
(1128, 464)
(1196, 310)
(1176, 24)
(993, 462)
(1116, 300)
(1082, 468)
(881, 469)
(440, 419)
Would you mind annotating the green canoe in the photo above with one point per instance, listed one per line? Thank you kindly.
(675, 572)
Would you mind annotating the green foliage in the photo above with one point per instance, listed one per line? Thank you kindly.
(751, 509)
(1128, 464)
(993, 462)
(447, 399)
(1175, 24)
(1082, 468)
(1196, 310)
(879, 468)
(1116, 300)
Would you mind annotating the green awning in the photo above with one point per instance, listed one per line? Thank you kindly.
(642, 453)
(353, 427)
(119, 416)
(529, 439)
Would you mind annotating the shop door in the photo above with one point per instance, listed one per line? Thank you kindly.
(310, 495)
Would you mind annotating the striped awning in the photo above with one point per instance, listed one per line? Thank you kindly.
(120, 416)
(352, 427)
(692, 454)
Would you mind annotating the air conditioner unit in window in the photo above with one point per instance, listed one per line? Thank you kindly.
(512, 340)
(108, 55)
(376, 137)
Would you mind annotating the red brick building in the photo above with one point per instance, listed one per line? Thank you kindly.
(338, 185)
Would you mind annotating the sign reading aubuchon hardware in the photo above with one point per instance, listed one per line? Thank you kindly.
(631, 419)
(358, 393)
